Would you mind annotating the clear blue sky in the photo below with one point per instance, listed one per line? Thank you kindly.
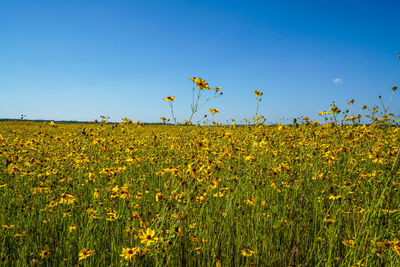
(77, 60)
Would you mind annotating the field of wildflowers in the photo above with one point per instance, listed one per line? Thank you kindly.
(101, 194)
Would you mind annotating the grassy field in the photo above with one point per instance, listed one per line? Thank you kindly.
(127, 194)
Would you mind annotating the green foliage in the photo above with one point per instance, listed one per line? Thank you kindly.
(255, 195)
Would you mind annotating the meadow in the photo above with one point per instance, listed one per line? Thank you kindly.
(163, 195)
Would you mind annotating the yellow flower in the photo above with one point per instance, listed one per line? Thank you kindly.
(213, 110)
(147, 237)
(349, 243)
(250, 201)
(8, 226)
(45, 254)
(258, 93)
(115, 189)
(164, 119)
(178, 231)
(396, 249)
(130, 253)
(322, 113)
(249, 158)
(67, 199)
(126, 120)
(96, 193)
(328, 221)
(72, 228)
(130, 229)
(112, 216)
(202, 84)
(84, 253)
(218, 194)
(169, 98)
(274, 186)
(159, 196)
(350, 102)
(247, 252)
(201, 197)
(334, 109)
(124, 194)
(333, 197)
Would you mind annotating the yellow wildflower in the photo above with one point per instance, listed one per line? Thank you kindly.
(67, 199)
(201, 84)
(349, 243)
(258, 93)
(96, 193)
(84, 253)
(130, 253)
(169, 98)
(213, 110)
(147, 237)
(247, 252)
(72, 228)
(45, 254)
(159, 196)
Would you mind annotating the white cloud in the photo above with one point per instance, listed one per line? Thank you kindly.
(337, 81)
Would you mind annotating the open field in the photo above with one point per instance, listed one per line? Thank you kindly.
(111, 195)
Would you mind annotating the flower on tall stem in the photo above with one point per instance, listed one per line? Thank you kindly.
(258, 99)
(170, 100)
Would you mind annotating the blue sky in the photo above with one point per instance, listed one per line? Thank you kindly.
(77, 60)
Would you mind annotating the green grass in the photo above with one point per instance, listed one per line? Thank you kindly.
(245, 196)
